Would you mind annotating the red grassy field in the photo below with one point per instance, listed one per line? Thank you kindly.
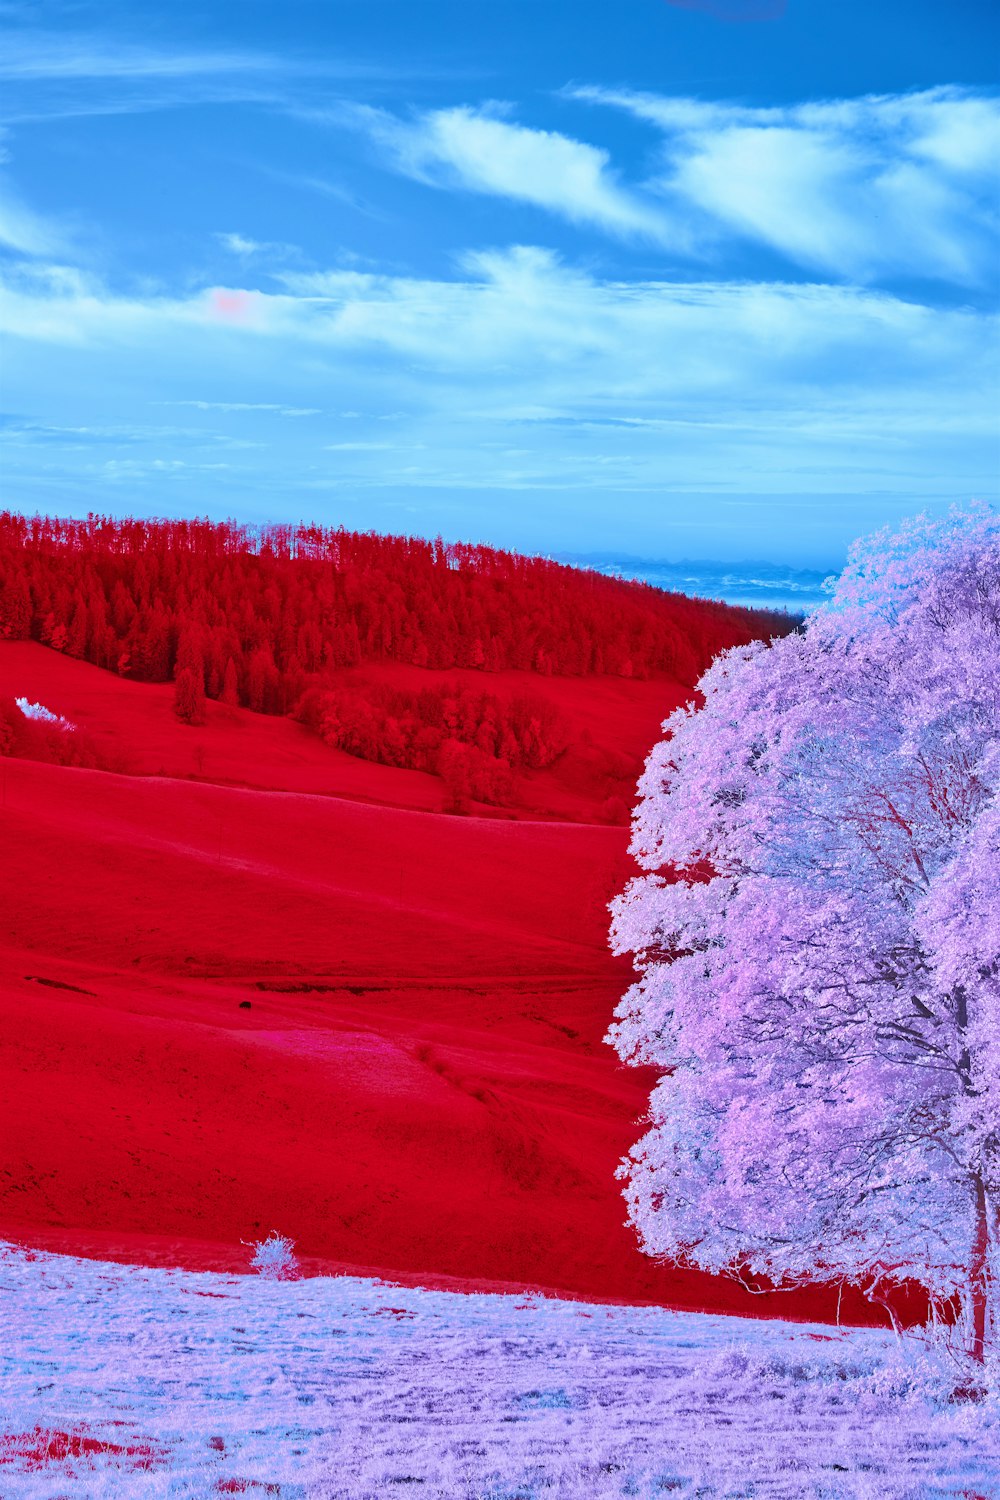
(419, 1087)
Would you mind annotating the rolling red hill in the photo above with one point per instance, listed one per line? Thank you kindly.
(419, 1087)
(249, 982)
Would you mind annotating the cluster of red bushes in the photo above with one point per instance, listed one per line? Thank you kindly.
(475, 741)
(284, 603)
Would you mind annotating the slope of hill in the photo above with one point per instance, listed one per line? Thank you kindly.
(418, 1087)
(250, 982)
(132, 727)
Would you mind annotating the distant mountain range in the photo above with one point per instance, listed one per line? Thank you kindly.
(760, 585)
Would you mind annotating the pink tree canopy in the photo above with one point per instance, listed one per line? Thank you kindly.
(818, 940)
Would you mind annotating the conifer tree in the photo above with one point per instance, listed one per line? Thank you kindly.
(189, 697)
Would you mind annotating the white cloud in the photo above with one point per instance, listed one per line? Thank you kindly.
(35, 56)
(479, 150)
(245, 248)
(520, 335)
(859, 188)
(23, 230)
(516, 376)
(239, 244)
(63, 74)
(273, 406)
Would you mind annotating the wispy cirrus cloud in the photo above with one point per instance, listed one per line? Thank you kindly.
(480, 150)
(64, 74)
(61, 74)
(39, 55)
(230, 406)
(36, 55)
(857, 188)
(861, 189)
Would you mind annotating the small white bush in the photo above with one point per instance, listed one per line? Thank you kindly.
(44, 715)
(274, 1258)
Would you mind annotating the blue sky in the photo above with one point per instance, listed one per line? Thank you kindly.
(705, 280)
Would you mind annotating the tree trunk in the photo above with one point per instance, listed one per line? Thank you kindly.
(979, 1271)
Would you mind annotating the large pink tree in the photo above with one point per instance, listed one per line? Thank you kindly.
(818, 940)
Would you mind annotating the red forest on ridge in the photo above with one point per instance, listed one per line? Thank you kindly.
(329, 625)
(125, 593)
(260, 983)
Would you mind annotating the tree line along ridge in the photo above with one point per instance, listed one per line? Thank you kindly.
(266, 617)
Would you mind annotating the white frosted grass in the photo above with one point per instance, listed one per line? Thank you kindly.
(42, 714)
(352, 1388)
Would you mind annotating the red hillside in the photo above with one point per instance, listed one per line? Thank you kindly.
(250, 981)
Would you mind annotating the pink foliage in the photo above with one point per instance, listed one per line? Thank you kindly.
(735, 10)
(818, 940)
(232, 307)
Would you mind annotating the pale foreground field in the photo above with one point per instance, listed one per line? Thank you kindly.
(127, 1382)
